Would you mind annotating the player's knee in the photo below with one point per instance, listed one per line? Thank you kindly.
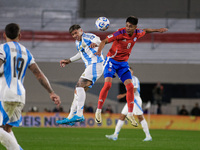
(107, 85)
(122, 117)
(140, 118)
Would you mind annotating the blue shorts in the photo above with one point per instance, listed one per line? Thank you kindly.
(112, 66)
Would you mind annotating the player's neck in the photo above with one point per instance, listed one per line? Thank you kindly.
(12, 40)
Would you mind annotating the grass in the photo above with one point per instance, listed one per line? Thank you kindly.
(94, 139)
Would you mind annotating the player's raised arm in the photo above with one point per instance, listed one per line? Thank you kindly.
(44, 82)
(101, 46)
(161, 30)
(64, 62)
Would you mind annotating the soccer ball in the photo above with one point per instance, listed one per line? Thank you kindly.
(102, 23)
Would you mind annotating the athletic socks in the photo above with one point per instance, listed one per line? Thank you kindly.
(80, 100)
(103, 94)
(118, 127)
(8, 141)
(145, 127)
(130, 97)
(73, 108)
(12, 134)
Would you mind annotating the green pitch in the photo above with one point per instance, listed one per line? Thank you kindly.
(94, 139)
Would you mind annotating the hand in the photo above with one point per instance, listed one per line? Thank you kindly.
(93, 45)
(97, 53)
(120, 96)
(55, 98)
(64, 62)
(161, 30)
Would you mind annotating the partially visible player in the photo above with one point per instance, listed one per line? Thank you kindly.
(137, 110)
(14, 61)
(87, 45)
(116, 62)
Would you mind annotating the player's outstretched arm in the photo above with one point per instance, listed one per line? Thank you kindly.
(44, 82)
(93, 45)
(64, 62)
(101, 46)
(161, 30)
(121, 96)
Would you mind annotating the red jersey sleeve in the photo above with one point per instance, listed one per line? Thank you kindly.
(116, 35)
(140, 33)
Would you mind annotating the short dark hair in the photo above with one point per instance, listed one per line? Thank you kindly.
(74, 27)
(12, 30)
(133, 20)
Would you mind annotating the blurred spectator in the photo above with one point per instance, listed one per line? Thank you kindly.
(159, 110)
(183, 111)
(196, 110)
(58, 109)
(158, 93)
(90, 109)
(109, 109)
(33, 109)
(46, 110)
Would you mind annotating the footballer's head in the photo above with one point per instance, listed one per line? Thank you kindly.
(131, 25)
(76, 31)
(12, 31)
(133, 20)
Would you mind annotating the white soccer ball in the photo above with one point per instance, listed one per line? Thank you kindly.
(102, 23)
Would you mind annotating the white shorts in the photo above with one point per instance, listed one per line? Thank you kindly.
(93, 72)
(10, 113)
(137, 109)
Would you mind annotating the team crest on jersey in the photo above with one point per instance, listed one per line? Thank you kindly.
(135, 39)
(110, 69)
(109, 36)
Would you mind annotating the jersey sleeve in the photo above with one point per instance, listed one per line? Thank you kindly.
(2, 53)
(75, 57)
(95, 39)
(31, 59)
(116, 35)
(135, 82)
(140, 33)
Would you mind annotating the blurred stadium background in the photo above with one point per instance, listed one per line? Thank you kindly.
(171, 58)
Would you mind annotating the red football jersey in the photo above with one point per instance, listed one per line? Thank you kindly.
(123, 43)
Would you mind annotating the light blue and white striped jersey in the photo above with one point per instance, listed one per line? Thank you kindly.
(87, 53)
(17, 58)
(136, 84)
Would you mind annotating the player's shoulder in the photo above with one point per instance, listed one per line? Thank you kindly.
(1, 46)
(89, 36)
(139, 31)
(120, 31)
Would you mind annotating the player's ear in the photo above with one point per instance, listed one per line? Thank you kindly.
(81, 30)
(4, 35)
(19, 36)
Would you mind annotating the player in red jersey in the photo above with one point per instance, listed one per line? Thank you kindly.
(116, 62)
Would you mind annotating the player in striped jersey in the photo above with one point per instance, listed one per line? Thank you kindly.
(86, 45)
(137, 110)
(14, 61)
(117, 62)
